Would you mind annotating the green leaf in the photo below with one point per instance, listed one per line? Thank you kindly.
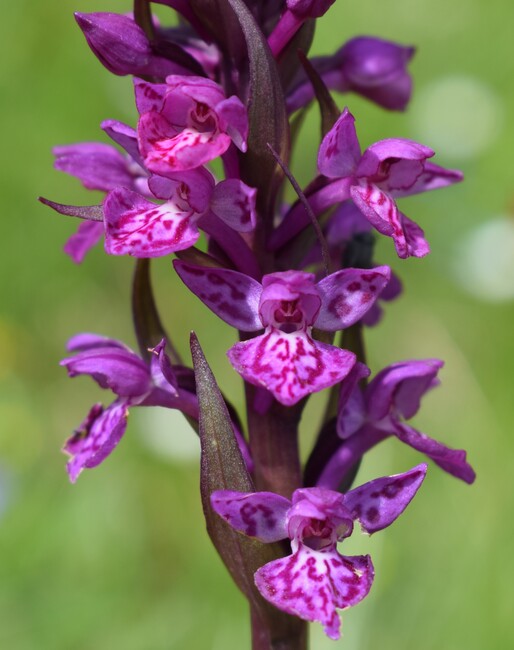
(266, 114)
(147, 323)
(223, 468)
(327, 106)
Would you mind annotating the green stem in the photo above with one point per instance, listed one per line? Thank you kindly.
(273, 441)
(288, 633)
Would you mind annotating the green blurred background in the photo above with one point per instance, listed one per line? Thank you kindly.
(121, 559)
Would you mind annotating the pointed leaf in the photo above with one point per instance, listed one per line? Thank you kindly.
(89, 212)
(327, 106)
(266, 114)
(223, 468)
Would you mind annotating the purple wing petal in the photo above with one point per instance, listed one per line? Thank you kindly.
(231, 295)
(378, 503)
(452, 461)
(88, 341)
(234, 120)
(256, 514)
(98, 166)
(123, 135)
(112, 367)
(432, 178)
(96, 438)
(312, 585)
(351, 408)
(135, 226)
(395, 162)
(401, 387)
(234, 203)
(340, 151)
(348, 294)
(194, 187)
(149, 97)
(415, 243)
(161, 370)
(290, 366)
(88, 234)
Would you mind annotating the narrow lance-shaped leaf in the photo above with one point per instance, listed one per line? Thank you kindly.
(268, 124)
(223, 468)
(147, 323)
(327, 106)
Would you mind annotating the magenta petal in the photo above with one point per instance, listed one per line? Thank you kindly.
(135, 226)
(290, 366)
(400, 387)
(88, 341)
(378, 208)
(415, 243)
(348, 294)
(340, 151)
(149, 97)
(194, 187)
(96, 438)
(231, 295)
(98, 166)
(161, 369)
(234, 203)
(312, 584)
(234, 120)
(123, 135)
(452, 461)
(352, 409)
(118, 369)
(88, 234)
(378, 503)
(256, 514)
(399, 160)
(167, 150)
(433, 177)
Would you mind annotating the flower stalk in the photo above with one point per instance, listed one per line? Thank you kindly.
(226, 90)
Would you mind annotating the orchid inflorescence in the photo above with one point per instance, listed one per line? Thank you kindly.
(232, 83)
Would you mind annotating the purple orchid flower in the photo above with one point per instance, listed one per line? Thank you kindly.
(115, 366)
(138, 227)
(123, 47)
(187, 122)
(366, 417)
(99, 167)
(316, 579)
(387, 170)
(371, 67)
(286, 359)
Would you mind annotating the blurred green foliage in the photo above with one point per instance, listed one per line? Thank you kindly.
(121, 559)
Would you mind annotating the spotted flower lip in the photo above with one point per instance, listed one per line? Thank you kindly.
(187, 122)
(316, 580)
(116, 367)
(141, 228)
(367, 417)
(286, 359)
